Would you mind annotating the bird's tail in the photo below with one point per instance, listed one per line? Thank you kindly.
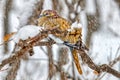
(76, 60)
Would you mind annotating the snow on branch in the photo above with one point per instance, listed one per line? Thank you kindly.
(24, 47)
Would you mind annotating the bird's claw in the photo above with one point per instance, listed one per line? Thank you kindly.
(70, 45)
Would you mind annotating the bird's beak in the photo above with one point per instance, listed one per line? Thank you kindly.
(41, 16)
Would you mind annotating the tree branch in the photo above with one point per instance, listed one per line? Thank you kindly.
(98, 68)
(27, 45)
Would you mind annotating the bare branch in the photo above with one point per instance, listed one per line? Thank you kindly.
(52, 68)
(8, 6)
(13, 71)
(100, 68)
(62, 60)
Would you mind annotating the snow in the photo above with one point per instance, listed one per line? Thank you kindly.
(76, 25)
(37, 69)
(90, 6)
(23, 10)
(26, 32)
(57, 40)
(1, 24)
(104, 47)
(46, 5)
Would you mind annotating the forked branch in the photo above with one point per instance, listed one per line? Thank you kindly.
(27, 45)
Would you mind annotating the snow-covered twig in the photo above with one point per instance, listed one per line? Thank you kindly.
(26, 46)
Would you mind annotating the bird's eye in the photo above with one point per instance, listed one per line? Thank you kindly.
(45, 13)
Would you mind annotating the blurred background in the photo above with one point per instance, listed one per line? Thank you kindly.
(100, 21)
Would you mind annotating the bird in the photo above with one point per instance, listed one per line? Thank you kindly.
(50, 19)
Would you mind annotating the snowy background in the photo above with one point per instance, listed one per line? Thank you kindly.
(104, 42)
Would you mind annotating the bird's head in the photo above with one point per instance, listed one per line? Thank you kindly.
(49, 13)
